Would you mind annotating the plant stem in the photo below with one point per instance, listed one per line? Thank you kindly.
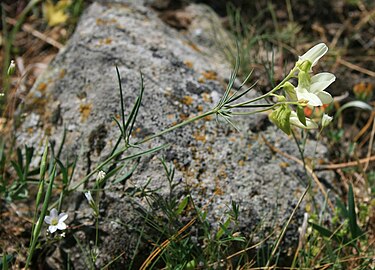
(195, 118)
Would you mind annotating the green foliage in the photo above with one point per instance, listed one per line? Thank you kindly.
(17, 188)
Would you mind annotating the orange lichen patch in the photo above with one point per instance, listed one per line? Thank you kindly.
(208, 118)
(42, 87)
(199, 137)
(194, 46)
(187, 100)
(207, 97)
(101, 21)
(136, 131)
(284, 165)
(62, 73)
(232, 139)
(36, 103)
(170, 116)
(199, 108)
(105, 41)
(188, 63)
(201, 79)
(218, 191)
(210, 75)
(85, 110)
(183, 116)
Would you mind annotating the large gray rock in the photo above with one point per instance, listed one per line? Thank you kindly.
(184, 76)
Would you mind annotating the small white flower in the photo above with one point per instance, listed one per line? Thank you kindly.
(89, 197)
(56, 221)
(101, 175)
(92, 203)
(296, 122)
(313, 55)
(314, 92)
(326, 119)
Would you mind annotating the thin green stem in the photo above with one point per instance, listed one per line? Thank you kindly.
(177, 126)
(253, 112)
(96, 231)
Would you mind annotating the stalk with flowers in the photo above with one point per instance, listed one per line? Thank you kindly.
(285, 113)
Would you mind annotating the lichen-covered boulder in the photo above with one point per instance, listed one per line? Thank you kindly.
(184, 75)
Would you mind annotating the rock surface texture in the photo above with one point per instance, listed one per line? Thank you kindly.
(184, 76)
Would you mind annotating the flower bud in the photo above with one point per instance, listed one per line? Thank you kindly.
(313, 55)
(326, 119)
(11, 68)
(101, 175)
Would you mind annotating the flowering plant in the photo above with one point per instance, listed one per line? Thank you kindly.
(56, 221)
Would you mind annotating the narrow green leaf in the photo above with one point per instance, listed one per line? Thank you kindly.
(181, 207)
(127, 175)
(64, 172)
(62, 143)
(326, 233)
(301, 115)
(354, 104)
(353, 226)
(18, 170)
(20, 158)
(133, 117)
(223, 229)
(146, 152)
(119, 126)
(342, 208)
(121, 100)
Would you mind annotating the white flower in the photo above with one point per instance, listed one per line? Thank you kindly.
(55, 221)
(313, 55)
(89, 197)
(296, 122)
(101, 175)
(314, 92)
(92, 203)
(326, 119)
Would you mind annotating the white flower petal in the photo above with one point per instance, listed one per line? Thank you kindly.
(321, 81)
(314, 54)
(63, 217)
(47, 219)
(52, 229)
(295, 121)
(324, 76)
(88, 196)
(325, 97)
(61, 226)
(326, 119)
(313, 99)
(53, 213)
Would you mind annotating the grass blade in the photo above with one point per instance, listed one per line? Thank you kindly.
(353, 226)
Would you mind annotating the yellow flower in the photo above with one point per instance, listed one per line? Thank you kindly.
(56, 13)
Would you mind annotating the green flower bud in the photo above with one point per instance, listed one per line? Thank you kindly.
(11, 68)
